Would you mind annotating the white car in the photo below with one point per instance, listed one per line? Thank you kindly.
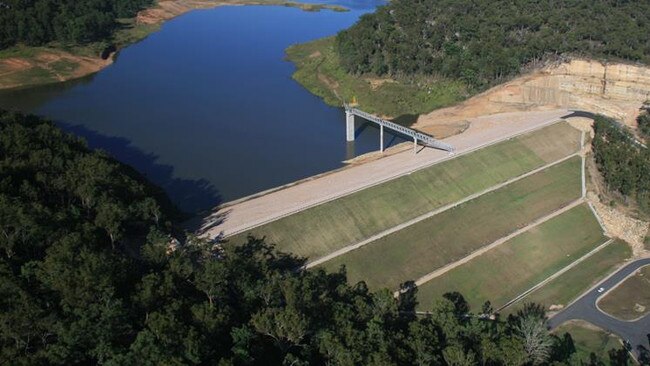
(600, 290)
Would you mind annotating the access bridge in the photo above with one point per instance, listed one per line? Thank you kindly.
(418, 137)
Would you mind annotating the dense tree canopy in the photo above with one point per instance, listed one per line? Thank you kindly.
(623, 162)
(483, 41)
(90, 274)
(36, 22)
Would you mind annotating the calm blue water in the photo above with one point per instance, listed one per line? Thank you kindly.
(207, 109)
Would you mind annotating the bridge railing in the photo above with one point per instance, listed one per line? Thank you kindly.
(424, 138)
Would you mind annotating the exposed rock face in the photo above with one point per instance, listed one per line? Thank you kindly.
(617, 90)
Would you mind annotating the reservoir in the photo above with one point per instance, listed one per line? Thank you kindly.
(206, 108)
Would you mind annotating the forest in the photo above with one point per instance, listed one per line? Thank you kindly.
(623, 162)
(483, 42)
(37, 22)
(91, 272)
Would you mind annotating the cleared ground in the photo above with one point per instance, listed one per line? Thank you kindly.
(631, 299)
(325, 228)
(578, 279)
(588, 339)
(520, 263)
(432, 243)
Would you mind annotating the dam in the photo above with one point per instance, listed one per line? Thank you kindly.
(426, 140)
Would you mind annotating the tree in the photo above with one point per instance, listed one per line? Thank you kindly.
(38, 22)
(537, 342)
(482, 42)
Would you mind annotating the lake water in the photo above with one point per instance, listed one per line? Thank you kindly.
(206, 107)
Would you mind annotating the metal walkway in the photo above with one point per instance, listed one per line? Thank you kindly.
(423, 138)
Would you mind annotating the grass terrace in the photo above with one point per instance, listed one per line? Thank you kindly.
(451, 235)
(521, 262)
(320, 230)
(563, 289)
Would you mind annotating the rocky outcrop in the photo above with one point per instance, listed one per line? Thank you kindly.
(614, 89)
(617, 90)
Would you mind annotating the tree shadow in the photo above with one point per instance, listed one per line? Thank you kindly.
(406, 120)
(190, 195)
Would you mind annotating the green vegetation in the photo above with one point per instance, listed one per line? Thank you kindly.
(130, 32)
(39, 22)
(325, 228)
(319, 70)
(20, 51)
(90, 274)
(34, 75)
(449, 236)
(580, 278)
(630, 299)
(482, 42)
(624, 165)
(521, 262)
(589, 339)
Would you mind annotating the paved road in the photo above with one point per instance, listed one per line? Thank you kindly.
(585, 309)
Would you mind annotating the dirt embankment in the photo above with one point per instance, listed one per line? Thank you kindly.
(168, 9)
(615, 89)
(47, 66)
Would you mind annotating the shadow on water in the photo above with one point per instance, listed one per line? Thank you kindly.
(28, 99)
(393, 135)
(360, 129)
(191, 196)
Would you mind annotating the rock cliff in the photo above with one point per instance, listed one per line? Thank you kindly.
(615, 89)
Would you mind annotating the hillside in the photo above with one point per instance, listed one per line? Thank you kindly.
(90, 275)
(483, 42)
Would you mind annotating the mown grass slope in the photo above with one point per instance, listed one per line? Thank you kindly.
(451, 235)
(578, 279)
(521, 262)
(323, 229)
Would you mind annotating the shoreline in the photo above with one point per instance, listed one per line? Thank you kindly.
(23, 67)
